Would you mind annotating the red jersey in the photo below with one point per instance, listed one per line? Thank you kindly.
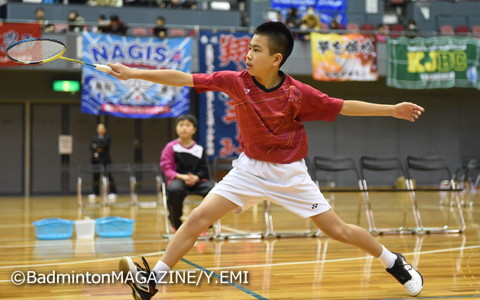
(269, 120)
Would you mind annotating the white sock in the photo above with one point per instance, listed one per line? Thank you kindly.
(387, 258)
(160, 267)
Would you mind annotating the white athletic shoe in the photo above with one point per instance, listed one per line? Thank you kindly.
(410, 278)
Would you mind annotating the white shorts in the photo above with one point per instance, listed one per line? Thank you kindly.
(289, 185)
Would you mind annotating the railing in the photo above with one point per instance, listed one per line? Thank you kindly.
(188, 30)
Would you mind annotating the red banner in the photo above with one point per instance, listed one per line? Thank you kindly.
(12, 32)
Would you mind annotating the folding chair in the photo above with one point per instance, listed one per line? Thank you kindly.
(190, 199)
(476, 30)
(333, 165)
(123, 176)
(462, 30)
(467, 177)
(321, 165)
(353, 27)
(397, 30)
(147, 175)
(85, 177)
(472, 169)
(140, 31)
(436, 164)
(446, 30)
(384, 164)
(367, 28)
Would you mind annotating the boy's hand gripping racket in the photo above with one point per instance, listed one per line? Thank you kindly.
(40, 50)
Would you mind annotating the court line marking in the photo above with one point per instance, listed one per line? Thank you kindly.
(251, 293)
(70, 242)
(244, 266)
(235, 285)
(342, 259)
(234, 230)
(77, 262)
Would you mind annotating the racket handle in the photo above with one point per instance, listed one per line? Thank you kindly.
(103, 68)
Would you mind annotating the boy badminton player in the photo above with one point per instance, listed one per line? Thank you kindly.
(270, 107)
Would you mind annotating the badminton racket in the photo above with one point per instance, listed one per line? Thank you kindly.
(41, 50)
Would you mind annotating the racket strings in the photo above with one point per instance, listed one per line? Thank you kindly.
(35, 51)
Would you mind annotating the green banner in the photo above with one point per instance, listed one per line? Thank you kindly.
(436, 62)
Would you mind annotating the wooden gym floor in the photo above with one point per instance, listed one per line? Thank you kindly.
(274, 268)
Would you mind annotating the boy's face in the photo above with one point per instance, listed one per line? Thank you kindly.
(259, 60)
(185, 129)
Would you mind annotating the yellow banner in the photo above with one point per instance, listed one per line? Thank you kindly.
(347, 57)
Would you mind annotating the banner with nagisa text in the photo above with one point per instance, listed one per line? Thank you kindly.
(436, 62)
(219, 51)
(347, 57)
(14, 32)
(104, 94)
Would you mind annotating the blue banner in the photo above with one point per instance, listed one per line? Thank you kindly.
(327, 10)
(104, 94)
(218, 126)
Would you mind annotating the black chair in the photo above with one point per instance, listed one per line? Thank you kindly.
(85, 178)
(147, 176)
(220, 167)
(332, 165)
(468, 178)
(191, 199)
(438, 165)
(392, 165)
(322, 168)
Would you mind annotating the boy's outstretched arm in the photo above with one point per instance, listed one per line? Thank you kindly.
(165, 77)
(405, 110)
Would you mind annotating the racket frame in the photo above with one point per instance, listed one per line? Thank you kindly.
(59, 55)
(103, 68)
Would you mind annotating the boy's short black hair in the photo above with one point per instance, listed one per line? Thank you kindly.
(189, 117)
(280, 38)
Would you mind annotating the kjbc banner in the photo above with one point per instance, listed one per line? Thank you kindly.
(344, 57)
(104, 94)
(218, 127)
(13, 32)
(436, 62)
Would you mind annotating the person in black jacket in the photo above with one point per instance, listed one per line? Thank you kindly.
(116, 26)
(100, 154)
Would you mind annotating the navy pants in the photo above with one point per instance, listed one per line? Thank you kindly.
(177, 191)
